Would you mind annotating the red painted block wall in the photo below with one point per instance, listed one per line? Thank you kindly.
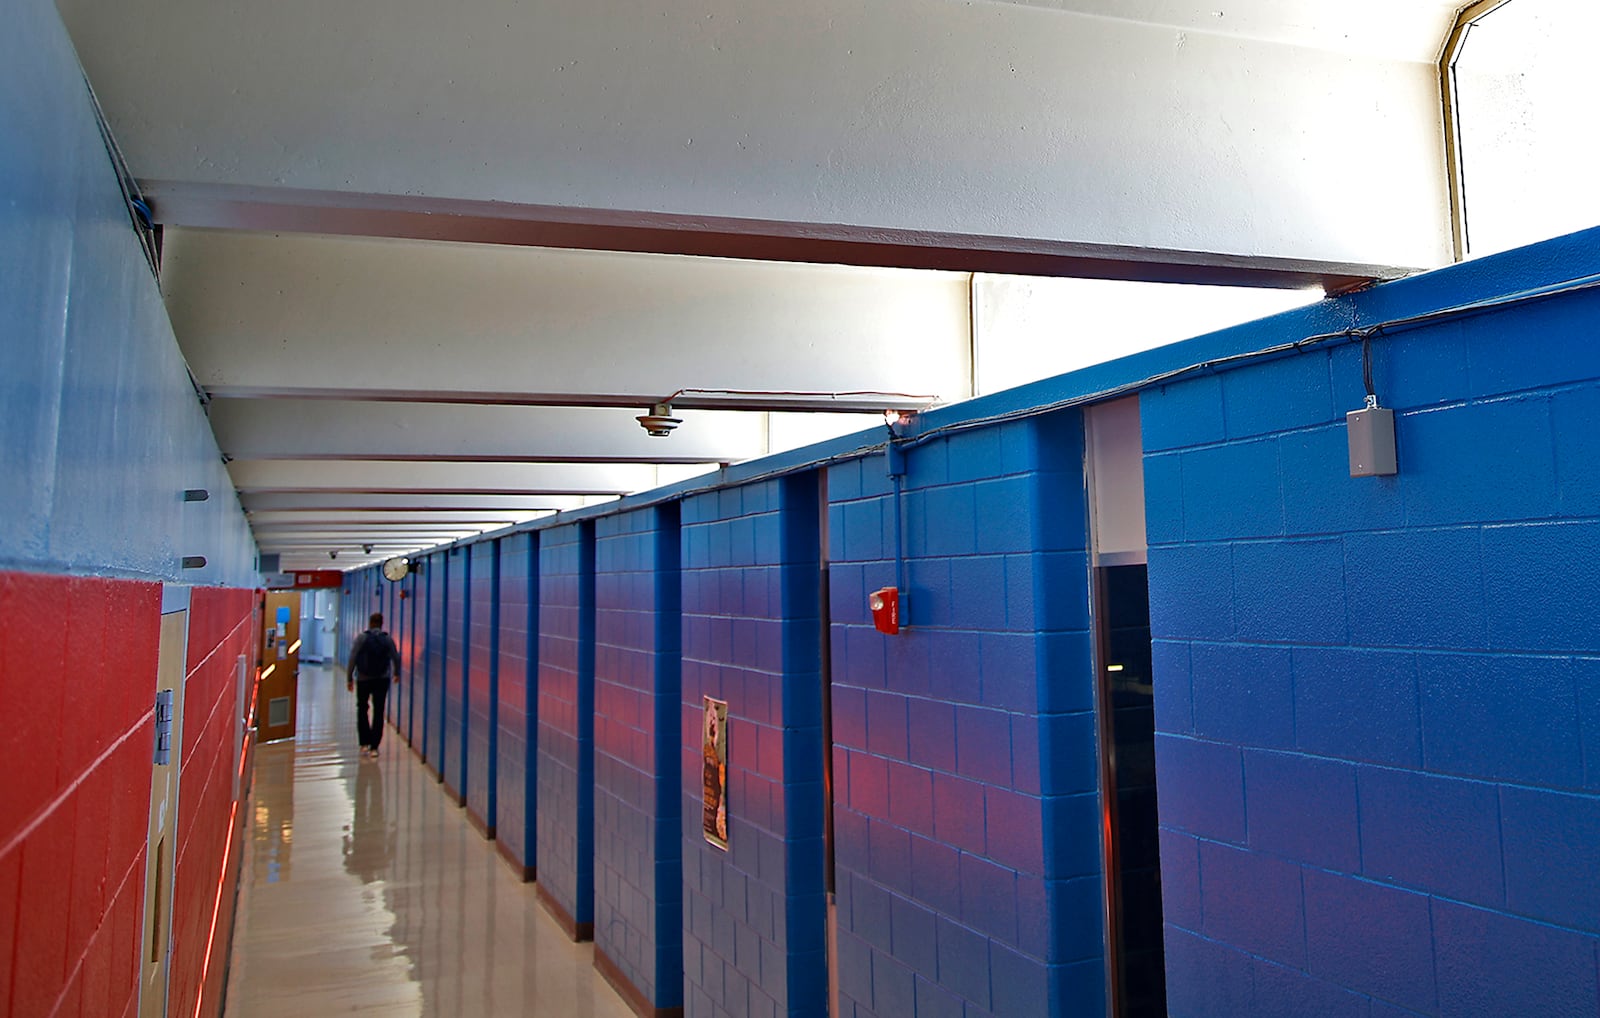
(78, 661)
(221, 627)
(77, 677)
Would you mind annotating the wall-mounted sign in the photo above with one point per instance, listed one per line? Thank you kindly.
(714, 771)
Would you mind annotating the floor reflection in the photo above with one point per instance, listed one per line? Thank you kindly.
(393, 904)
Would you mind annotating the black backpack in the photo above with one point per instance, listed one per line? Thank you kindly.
(374, 655)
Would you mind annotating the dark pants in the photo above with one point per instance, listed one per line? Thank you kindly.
(370, 732)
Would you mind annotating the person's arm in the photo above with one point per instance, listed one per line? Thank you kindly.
(350, 667)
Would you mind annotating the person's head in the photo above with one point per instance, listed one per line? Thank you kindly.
(375, 620)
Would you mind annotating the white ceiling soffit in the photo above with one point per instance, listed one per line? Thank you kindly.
(364, 319)
(342, 430)
(431, 478)
(979, 136)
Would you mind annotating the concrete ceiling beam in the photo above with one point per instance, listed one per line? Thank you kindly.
(774, 132)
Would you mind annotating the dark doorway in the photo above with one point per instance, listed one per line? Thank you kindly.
(1128, 733)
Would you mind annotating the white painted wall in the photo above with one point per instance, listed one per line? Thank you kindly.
(1030, 328)
(1116, 482)
(100, 431)
(931, 115)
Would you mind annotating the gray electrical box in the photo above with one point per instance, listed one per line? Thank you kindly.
(1371, 442)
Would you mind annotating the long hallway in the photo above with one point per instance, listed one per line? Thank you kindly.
(364, 890)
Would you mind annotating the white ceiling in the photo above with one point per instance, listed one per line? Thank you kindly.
(428, 260)
(1393, 29)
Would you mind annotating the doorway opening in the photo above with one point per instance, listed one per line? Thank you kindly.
(1125, 711)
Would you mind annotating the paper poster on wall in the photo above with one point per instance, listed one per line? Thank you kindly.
(714, 770)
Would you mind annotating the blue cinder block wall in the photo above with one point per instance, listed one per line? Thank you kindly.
(410, 655)
(754, 919)
(453, 702)
(433, 660)
(566, 725)
(517, 703)
(967, 819)
(1378, 699)
(638, 932)
(482, 674)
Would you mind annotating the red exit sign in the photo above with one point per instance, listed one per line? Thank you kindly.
(316, 578)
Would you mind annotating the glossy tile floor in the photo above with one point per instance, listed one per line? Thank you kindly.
(364, 891)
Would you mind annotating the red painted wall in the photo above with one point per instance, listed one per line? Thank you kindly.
(77, 679)
(78, 659)
(221, 627)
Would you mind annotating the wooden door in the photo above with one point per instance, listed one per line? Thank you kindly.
(277, 693)
(156, 937)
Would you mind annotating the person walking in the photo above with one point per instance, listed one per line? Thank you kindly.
(374, 659)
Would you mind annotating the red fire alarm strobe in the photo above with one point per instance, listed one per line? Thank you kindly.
(885, 605)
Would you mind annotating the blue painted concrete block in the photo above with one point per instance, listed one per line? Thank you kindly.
(1539, 585)
(893, 987)
(932, 733)
(1552, 846)
(1174, 695)
(1243, 694)
(1501, 717)
(1443, 455)
(934, 1001)
(1185, 584)
(1163, 498)
(1206, 979)
(1005, 515)
(1254, 902)
(1357, 704)
(1416, 589)
(958, 817)
(1493, 964)
(988, 898)
(1019, 984)
(1370, 938)
(1290, 591)
(1302, 808)
(914, 940)
(1573, 414)
(1501, 366)
(1068, 754)
(935, 875)
(949, 521)
(1432, 833)
(1180, 879)
(1320, 496)
(983, 744)
(1279, 990)
(1201, 787)
(1300, 396)
(974, 455)
(1233, 491)
(1586, 674)
(1182, 414)
(964, 962)
(1071, 835)
(1078, 929)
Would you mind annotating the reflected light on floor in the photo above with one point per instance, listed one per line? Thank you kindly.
(394, 906)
